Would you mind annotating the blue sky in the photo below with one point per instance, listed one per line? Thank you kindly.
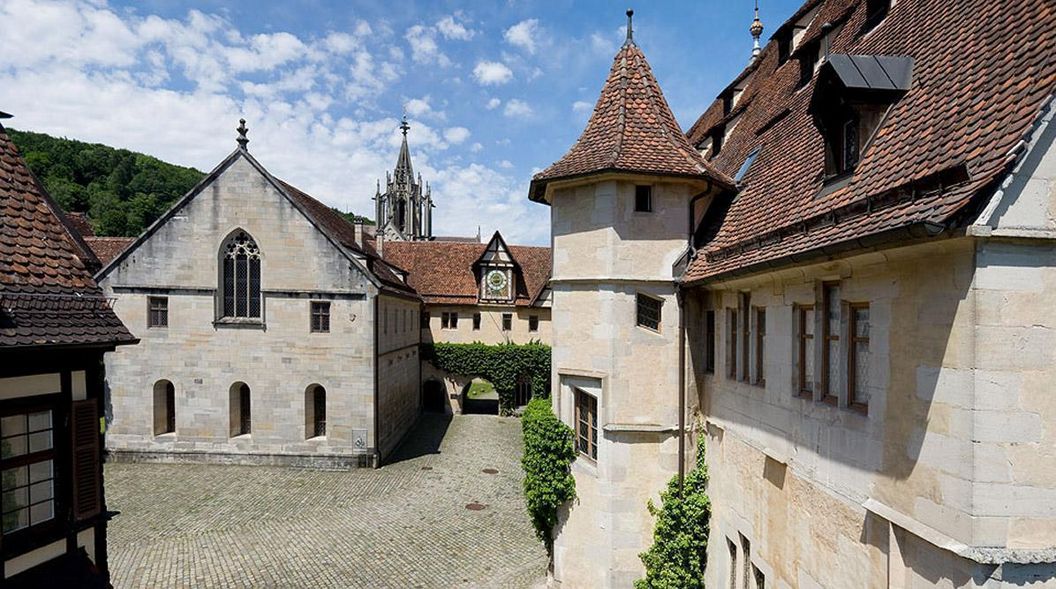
(494, 91)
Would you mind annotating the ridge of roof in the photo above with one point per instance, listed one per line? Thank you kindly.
(631, 130)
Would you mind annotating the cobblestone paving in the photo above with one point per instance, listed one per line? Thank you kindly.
(404, 525)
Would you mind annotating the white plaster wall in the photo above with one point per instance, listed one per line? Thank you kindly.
(490, 331)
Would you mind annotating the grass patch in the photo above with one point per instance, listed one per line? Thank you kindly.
(481, 389)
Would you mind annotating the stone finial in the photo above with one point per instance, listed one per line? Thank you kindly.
(630, 27)
(404, 126)
(242, 130)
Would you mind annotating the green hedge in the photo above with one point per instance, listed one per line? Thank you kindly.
(548, 456)
(502, 365)
(679, 553)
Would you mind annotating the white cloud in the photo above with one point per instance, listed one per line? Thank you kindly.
(517, 108)
(417, 107)
(493, 104)
(523, 34)
(452, 29)
(456, 135)
(476, 147)
(506, 164)
(581, 106)
(424, 48)
(490, 73)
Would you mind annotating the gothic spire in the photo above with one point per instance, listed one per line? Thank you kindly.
(404, 170)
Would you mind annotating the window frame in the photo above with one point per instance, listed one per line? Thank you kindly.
(852, 355)
(709, 341)
(638, 307)
(157, 312)
(805, 342)
(230, 255)
(476, 321)
(830, 392)
(732, 332)
(317, 312)
(586, 430)
(169, 404)
(643, 198)
(759, 339)
(507, 322)
(61, 473)
(746, 337)
(533, 324)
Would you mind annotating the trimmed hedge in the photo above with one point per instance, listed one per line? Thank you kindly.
(548, 455)
(502, 365)
(679, 553)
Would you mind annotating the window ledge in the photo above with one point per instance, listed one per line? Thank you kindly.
(240, 323)
(165, 436)
(316, 439)
(248, 436)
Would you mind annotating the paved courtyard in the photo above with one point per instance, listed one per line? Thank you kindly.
(404, 525)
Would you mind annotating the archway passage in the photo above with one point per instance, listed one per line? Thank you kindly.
(433, 397)
(480, 397)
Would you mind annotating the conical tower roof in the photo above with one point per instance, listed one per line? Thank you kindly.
(631, 130)
(404, 170)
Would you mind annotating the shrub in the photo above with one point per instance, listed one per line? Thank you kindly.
(548, 456)
(500, 364)
(679, 554)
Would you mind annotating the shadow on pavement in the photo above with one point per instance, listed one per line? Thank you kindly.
(423, 438)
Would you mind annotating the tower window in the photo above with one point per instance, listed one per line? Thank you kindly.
(587, 424)
(643, 199)
(649, 309)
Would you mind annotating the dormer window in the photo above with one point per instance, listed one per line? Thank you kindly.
(784, 46)
(727, 102)
(808, 60)
(876, 10)
(716, 140)
(852, 95)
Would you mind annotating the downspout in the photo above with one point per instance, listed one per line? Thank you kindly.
(681, 387)
(377, 358)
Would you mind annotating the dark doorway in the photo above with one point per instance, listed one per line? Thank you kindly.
(480, 397)
(523, 394)
(433, 397)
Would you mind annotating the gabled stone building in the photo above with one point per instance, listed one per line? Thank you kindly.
(272, 332)
(865, 287)
(55, 326)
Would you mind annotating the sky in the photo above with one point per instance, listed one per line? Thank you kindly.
(494, 91)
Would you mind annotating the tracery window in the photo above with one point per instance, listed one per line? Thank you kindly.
(241, 276)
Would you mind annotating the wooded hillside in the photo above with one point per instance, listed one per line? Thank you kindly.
(122, 191)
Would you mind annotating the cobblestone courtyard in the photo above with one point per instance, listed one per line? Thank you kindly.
(404, 525)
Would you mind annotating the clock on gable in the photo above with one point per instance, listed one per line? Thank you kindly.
(496, 284)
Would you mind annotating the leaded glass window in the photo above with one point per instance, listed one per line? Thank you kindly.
(241, 277)
(28, 470)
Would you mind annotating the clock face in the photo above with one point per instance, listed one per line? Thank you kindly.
(496, 283)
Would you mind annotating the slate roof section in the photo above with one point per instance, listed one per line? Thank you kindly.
(983, 72)
(442, 272)
(47, 294)
(631, 130)
(108, 248)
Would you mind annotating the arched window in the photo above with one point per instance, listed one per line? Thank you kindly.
(164, 408)
(241, 417)
(314, 411)
(401, 215)
(240, 282)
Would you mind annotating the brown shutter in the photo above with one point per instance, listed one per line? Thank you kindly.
(84, 422)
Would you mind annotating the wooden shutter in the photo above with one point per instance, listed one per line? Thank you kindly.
(87, 498)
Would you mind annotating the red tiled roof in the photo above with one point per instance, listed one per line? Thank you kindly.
(442, 272)
(107, 248)
(80, 224)
(983, 70)
(631, 130)
(47, 295)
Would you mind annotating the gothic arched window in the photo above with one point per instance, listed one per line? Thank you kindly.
(401, 215)
(241, 276)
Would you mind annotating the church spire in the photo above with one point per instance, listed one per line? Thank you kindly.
(404, 170)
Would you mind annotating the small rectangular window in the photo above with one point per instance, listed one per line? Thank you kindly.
(586, 424)
(320, 317)
(649, 309)
(643, 199)
(476, 321)
(28, 466)
(709, 341)
(533, 323)
(760, 340)
(830, 347)
(805, 351)
(445, 320)
(745, 336)
(507, 321)
(858, 363)
(157, 312)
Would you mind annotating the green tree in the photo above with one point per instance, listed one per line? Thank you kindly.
(547, 461)
(679, 553)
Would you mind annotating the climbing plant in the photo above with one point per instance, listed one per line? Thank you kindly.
(548, 456)
(503, 365)
(679, 553)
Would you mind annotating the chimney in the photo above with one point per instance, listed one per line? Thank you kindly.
(379, 243)
(358, 234)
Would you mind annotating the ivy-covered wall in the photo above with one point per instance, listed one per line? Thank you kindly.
(501, 364)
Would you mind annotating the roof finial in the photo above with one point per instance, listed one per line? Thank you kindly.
(757, 30)
(404, 126)
(630, 28)
(242, 130)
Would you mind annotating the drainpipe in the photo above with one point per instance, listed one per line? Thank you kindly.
(681, 387)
